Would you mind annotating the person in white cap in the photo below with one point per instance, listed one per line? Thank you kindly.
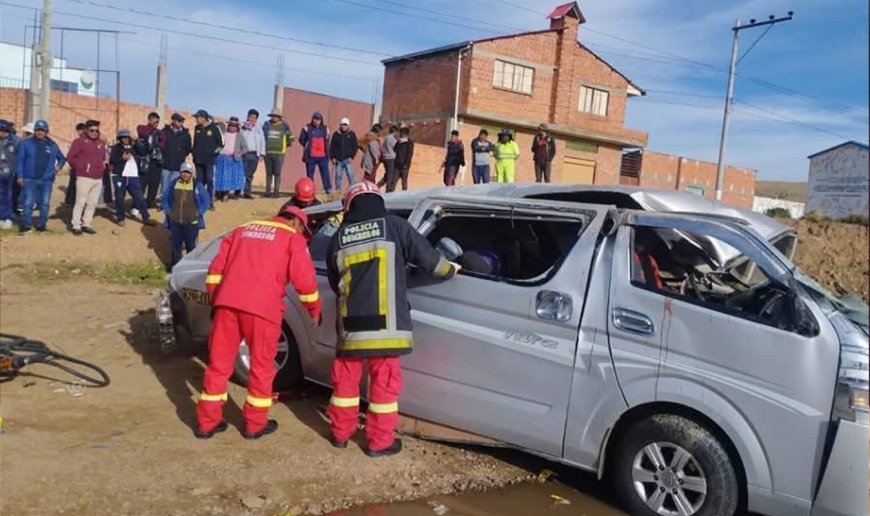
(342, 150)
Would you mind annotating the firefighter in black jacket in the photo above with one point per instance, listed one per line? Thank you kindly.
(207, 142)
(366, 269)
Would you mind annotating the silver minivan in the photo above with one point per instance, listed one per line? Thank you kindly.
(655, 337)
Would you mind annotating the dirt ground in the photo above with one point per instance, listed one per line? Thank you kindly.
(128, 448)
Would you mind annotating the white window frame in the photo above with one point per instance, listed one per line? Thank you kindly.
(594, 100)
(513, 77)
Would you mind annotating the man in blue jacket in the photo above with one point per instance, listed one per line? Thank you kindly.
(185, 202)
(315, 138)
(39, 161)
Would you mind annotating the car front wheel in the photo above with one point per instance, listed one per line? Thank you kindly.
(669, 465)
(287, 363)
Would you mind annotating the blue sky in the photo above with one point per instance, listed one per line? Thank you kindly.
(804, 87)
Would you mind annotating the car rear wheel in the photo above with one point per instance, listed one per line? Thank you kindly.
(287, 363)
(671, 466)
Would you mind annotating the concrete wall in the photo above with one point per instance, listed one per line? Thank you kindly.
(678, 173)
(762, 204)
(838, 182)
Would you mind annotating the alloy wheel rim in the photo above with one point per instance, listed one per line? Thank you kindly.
(668, 479)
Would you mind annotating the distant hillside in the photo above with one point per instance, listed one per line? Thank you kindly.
(782, 190)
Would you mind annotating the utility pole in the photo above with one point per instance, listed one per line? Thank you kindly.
(162, 70)
(729, 95)
(45, 63)
(278, 99)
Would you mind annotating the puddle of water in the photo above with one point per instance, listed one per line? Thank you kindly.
(520, 500)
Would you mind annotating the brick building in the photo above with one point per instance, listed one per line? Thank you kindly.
(517, 82)
(656, 170)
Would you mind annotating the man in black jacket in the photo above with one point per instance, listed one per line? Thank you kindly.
(404, 155)
(178, 147)
(343, 147)
(543, 152)
(366, 268)
(207, 142)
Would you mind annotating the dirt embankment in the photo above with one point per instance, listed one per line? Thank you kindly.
(835, 254)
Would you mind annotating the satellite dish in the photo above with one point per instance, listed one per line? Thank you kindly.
(88, 78)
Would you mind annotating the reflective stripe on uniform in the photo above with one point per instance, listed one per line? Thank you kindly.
(384, 408)
(213, 397)
(379, 254)
(337, 401)
(309, 298)
(258, 402)
(271, 224)
(360, 345)
(213, 279)
(443, 268)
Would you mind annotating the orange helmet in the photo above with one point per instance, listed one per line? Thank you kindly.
(363, 187)
(305, 189)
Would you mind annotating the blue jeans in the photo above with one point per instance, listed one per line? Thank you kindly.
(132, 185)
(39, 192)
(6, 182)
(480, 173)
(342, 167)
(182, 235)
(323, 165)
(167, 177)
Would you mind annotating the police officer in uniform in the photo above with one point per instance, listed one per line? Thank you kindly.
(366, 269)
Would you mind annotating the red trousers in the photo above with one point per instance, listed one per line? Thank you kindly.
(228, 328)
(385, 385)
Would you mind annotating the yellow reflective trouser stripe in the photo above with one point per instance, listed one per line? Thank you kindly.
(271, 224)
(344, 402)
(213, 397)
(376, 344)
(258, 402)
(213, 279)
(309, 298)
(384, 408)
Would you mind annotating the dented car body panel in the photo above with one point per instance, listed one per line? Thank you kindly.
(558, 343)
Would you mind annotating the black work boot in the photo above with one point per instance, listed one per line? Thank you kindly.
(336, 443)
(203, 434)
(395, 448)
(270, 428)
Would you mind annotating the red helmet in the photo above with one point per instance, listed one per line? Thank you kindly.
(305, 190)
(363, 187)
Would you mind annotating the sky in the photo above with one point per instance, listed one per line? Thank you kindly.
(802, 88)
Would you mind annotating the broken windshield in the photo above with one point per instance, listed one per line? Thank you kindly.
(849, 305)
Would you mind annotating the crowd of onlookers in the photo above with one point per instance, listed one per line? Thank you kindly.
(169, 169)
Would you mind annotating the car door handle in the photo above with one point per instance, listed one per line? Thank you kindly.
(633, 322)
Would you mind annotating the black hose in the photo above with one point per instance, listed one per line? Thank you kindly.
(23, 351)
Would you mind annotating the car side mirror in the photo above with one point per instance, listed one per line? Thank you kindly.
(554, 306)
(802, 319)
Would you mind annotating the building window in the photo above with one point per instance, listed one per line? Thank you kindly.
(697, 190)
(593, 101)
(513, 77)
(68, 87)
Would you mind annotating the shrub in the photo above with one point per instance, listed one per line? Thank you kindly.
(815, 216)
(856, 219)
(778, 212)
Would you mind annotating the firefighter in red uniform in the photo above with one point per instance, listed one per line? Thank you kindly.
(246, 282)
(366, 269)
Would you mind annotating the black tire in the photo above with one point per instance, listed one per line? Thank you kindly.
(668, 433)
(288, 377)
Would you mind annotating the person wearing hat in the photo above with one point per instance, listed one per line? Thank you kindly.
(247, 283)
(229, 171)
(278, 138)
(125, 179)
(506, 153)
(207, 143)
(88, 156)
(315, 140)
(39, 161)
(343, 147)
(256, 141)
(70, 196)
(303, 197)
(178, 145)
(9, 144)
(184, 204)
(543, 152)
(374, 247)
